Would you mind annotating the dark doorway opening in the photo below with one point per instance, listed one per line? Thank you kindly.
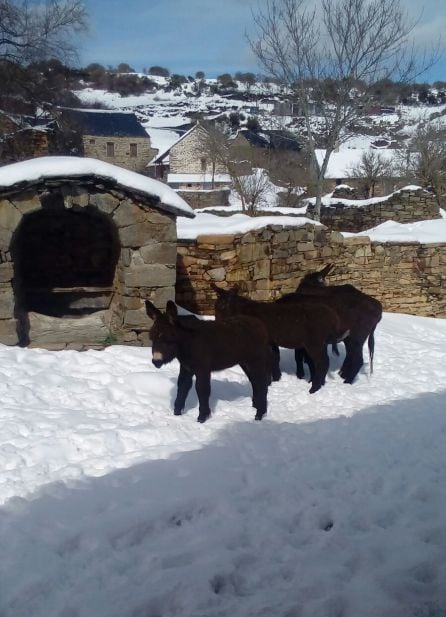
(65, 262)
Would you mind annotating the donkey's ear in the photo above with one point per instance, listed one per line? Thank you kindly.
(152, 311)
(218, 290)
(171, 311)
(235, 290)
(326, 271)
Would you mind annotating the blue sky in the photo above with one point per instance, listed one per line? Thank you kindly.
(186, 36)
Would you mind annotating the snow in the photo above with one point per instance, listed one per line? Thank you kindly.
(207, 223)
(340, 163)
(330, 200)
(72, 166)
(426, 232)
(333, 505)
(161, 139)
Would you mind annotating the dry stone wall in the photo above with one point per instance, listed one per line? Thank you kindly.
(405, 206)
(266, 263)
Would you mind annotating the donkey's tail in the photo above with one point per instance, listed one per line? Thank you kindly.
(371, 349)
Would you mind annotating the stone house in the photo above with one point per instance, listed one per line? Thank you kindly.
(191, 163)
(82, 245)
(23, 137)
(114, 137)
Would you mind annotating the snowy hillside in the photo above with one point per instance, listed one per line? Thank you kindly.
(162, 109)
(333, 505)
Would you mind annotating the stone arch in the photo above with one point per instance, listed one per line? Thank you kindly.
(136, 261)
(64, 260)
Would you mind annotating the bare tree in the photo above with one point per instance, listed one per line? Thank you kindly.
(32, 32)
(372, 167)
(253, 189)
(346, 44)
(214, 149)
(424, 160)
(289, 170)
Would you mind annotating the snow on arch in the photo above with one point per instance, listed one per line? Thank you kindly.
(47, 167)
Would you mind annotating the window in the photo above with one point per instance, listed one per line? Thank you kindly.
(110, 148)
(133, 150)
(203, 164)
(92, 141)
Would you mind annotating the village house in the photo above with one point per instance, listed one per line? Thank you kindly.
(110, 136)
(23, 137)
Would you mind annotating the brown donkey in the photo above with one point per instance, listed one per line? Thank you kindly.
(358, 313)
(205, 346)
(306, 323)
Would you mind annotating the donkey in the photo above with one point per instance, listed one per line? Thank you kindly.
(307, 323)
(205, 346)
(358, 313)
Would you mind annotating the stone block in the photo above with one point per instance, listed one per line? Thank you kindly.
(8, 332)
(162, 252)
(128, 213)
(104, 202)
(215, 239)
(217, 274)
(26, 202)
(10, 217)
(262, 269)
(137, 235)
(137, 319)
(149, 275)
(6, 272)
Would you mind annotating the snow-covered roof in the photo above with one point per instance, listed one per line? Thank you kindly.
(18, 175)
(161, 155)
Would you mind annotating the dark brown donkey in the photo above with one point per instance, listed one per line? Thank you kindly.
(205, 346)
(358, 313)
(306, 323)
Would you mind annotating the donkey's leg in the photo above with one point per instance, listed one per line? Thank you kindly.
(259, 377)
(184, 384)
(203, 388)
(275, 369)
(347, 364)
(356, 360)
(299, 356)
(302, 356)
(321, 364)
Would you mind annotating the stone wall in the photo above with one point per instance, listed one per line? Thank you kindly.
(205, 198)
(266, 263)
(405, 206)
(96, 147)
(145, 267)
(189, 156)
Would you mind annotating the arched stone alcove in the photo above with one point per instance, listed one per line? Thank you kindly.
(78, 257)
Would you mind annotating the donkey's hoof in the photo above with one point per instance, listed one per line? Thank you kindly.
(203, 417)
(177, 412)
(314, 389)
(259, 416)
(277, 377)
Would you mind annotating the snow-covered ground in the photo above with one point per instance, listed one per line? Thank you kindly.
(334, 505)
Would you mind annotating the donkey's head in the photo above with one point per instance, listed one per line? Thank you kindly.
(316, 279)
(163, 333)
(225, 305)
